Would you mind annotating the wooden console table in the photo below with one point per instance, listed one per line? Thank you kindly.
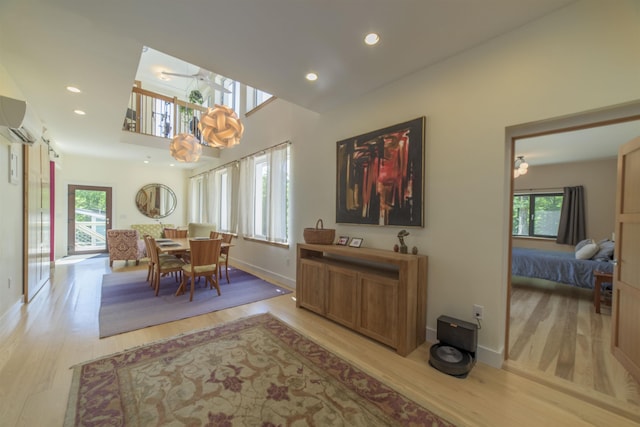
(600, 278)
(380, 294)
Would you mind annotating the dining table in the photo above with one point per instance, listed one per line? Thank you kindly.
(180, 244)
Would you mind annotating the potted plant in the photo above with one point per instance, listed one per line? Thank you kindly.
(195, 97)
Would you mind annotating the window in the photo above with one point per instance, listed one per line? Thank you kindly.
(226, 98)
(224, 197)
(265, 204)
(256, 97)
(536, 214)
(197, 199)
(213, 197)
(224, 200)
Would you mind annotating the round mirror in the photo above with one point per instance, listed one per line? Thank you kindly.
(156, 200)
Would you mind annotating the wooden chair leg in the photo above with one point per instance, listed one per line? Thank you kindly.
(193, 282)
(157, 285)
(152, 276)
(213, 280)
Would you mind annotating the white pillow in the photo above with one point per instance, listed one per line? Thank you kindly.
(587, 251)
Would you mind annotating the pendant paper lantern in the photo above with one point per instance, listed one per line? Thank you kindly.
(221, 127)
(185, 148)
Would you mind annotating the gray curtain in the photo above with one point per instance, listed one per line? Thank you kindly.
(572, 227)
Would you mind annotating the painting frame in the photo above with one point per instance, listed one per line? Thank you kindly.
(380, 176)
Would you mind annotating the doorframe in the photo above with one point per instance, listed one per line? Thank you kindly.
(614, 114)
(71, 240)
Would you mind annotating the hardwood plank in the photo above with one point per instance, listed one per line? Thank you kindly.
(59, 329)
(575, 343)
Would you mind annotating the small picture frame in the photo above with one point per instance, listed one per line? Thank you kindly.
(343, 240)
(356, 242)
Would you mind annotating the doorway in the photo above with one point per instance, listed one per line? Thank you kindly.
(588, 120)
(89, 210)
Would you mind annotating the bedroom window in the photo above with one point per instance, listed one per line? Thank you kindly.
(536, 215)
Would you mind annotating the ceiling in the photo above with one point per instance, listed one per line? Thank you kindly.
(578, 145)
(46, 45)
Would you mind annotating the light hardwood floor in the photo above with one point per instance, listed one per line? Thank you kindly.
(556, 335)
(41, 341)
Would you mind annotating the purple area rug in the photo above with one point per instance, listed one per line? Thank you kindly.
(255, 371)
(128, 303)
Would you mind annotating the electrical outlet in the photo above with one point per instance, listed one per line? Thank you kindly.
(478, 311)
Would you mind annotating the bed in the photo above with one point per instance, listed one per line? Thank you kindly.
(556, 266)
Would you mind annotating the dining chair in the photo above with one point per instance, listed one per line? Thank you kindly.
(171, 233)
(175, 233)
(150, 248)
(204, 263)
(164, 265)
(224, 254)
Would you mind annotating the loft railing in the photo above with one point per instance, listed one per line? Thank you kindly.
(151, 113)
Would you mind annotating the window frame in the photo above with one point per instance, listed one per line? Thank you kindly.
(531, 226)
(268, 204)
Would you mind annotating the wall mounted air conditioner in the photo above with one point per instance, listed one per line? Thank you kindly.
(20, 121)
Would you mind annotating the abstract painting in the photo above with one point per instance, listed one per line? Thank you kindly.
(380, 176)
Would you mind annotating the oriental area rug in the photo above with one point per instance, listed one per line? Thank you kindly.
(128, 302)
(256, 371)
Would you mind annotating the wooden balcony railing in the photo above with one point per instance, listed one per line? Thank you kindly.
(151, 113)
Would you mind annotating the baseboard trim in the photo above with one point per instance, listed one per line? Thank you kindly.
(264, 274)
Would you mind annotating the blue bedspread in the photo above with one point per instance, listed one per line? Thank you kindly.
(560, 267)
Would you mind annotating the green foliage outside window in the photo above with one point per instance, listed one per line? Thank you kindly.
(536, 215)
(94, 201)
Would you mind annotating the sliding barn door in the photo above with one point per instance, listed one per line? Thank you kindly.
(625, 340)
(37, 246)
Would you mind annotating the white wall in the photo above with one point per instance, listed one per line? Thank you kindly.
(11, 212)
(278, 122)
(125, 179)
(580, 58)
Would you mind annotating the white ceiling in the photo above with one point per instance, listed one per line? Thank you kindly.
(46, 45)
(577, 146)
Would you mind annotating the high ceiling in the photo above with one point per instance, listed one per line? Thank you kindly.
(46, 45)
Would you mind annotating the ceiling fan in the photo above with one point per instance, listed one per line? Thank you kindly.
(203, 76)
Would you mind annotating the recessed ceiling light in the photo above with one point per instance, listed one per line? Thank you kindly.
(79, 112)
(73, 89)
(371, 39)
(146, 161)
(164, 77)
(312, 77)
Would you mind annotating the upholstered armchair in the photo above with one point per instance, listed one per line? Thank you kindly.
(124, 245)
(200, 229)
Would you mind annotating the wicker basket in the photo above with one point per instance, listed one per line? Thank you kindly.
(319, 235)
